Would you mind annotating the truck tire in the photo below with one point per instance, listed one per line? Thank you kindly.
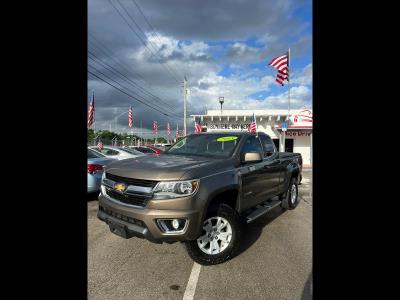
(291, 197)
(217, 244)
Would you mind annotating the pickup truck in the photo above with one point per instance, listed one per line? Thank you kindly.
(201, 191)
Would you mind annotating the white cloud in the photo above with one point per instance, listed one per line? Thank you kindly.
(304, 77)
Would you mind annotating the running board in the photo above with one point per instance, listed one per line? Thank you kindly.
(261, 209)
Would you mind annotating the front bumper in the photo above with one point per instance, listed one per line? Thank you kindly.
(127, 221)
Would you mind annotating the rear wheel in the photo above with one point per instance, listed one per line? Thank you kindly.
(291, 198)
(220, 237)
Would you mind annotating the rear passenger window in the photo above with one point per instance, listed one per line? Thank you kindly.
(110, 152)
(268, 145)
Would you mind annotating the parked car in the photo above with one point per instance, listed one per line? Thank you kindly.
(200, 192)
(95, 167)
(134, 150)
(162, 147)
(116, 152)
(147, 149)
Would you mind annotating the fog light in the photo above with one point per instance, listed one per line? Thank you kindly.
(172, 226)
(175, 224)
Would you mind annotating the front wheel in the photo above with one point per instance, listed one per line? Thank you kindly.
(220, 238)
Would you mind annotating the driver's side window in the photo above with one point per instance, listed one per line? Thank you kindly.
(252, 144)
(268, 145)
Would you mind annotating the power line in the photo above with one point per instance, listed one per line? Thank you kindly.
(140, 38)
(103, 49)
(126, 93)
(154, 106)
(154, 31)
(127, 79)
(144, 34)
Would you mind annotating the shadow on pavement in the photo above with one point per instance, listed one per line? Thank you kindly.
(92, 196)
(307, 291)
(251, 232)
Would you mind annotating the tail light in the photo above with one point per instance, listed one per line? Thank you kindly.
(92, 168)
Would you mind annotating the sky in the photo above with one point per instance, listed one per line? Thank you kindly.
(145, 48)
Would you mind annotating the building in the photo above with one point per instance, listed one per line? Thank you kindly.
(298, 135)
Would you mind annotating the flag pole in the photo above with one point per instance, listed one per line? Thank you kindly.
(289, 82)
(94, 114)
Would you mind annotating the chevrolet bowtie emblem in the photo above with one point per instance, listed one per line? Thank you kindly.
(120, 187)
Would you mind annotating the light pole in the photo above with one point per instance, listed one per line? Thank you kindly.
(221, 101)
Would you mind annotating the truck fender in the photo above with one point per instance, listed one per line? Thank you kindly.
(291, 169)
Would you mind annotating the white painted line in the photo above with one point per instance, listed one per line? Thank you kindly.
(192, 282)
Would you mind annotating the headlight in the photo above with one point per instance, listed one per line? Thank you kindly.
(175, 189)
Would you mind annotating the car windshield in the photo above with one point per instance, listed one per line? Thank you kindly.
(92, 154)
(131, 151)
(220, 145)
(144, 150)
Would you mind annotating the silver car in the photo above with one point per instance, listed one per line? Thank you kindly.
(116, 152)
(95, 164)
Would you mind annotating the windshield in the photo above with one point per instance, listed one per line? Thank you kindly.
(220, 145)
(132, 151)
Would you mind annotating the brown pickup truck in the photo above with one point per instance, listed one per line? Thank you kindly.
(201, 191)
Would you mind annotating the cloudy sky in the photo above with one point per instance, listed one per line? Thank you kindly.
(144, 48)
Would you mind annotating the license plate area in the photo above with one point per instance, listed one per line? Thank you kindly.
(119, 229)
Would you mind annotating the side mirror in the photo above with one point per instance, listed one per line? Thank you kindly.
(251, 157)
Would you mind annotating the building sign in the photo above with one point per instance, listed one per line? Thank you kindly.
(297, 133)
(303, 118)
(236, 126)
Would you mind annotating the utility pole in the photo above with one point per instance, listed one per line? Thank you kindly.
(184, 104)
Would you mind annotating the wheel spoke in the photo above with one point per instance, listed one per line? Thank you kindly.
(221, 226)
(204, 240)
(219, 222)
(223, 236)
(208, 227)
(214, 246)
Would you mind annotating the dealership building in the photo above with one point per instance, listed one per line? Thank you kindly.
(297, 134)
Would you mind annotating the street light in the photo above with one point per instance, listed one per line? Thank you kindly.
(221, 100)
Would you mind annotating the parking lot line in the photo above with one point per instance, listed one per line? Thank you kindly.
(192, 282)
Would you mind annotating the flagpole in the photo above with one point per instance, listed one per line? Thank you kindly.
(289, 81)
(94, 114)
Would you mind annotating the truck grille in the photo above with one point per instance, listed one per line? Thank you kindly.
(132, 199)
(131, 181)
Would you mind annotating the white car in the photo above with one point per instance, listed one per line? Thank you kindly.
(117, 153)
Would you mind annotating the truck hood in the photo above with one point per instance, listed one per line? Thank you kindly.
(166, 167)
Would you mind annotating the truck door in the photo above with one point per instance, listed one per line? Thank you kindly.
(272, 170)
(251, 174)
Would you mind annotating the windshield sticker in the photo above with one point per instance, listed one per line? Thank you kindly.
(227, 138)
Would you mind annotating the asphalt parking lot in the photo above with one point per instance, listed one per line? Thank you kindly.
(275, 261)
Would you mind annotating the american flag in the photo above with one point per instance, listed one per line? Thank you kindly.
(168, 129)
(100, 145)
(281, 63)
(130, 117)
(177, 131)
(91, 112)
(253, 125)
(197, 127)
(155, 127)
